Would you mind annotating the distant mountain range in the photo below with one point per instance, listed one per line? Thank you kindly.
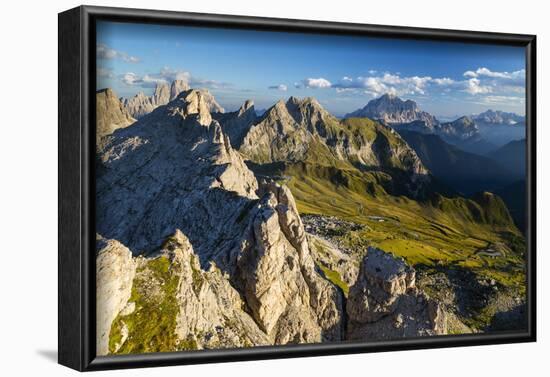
(477, 133)
(491, 117)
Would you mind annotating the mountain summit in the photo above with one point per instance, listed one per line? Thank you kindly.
(141, 105)
(302, 130)
(491, 117)
(391, 109)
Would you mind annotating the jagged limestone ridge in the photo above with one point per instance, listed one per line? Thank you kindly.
(175, 171)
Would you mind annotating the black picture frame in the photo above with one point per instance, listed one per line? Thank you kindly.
(76, 118)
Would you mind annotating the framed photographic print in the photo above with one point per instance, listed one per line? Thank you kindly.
(237, 188)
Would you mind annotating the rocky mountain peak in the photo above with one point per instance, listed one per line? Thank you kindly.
(463, 128)
(193, 103)
(177, 87)
(161, 95)
(384, 302)
(141, 105)
(392, 110)
(246, 106)
(110, 114)
(465, 121)
(492, 117)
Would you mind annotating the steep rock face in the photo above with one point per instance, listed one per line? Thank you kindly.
(174, 175)
(210, 312)
(174, 169)
(288, 299)
(177, 87)
(140, 104)
(115, 271)
(390, 109)
(384, 303)
(236, 124)
(110, 114)
(301, 130)
(161, 95)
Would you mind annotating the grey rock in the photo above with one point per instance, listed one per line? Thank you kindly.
(110, 114)
(141, 105)
(302, 130)
(391, 110)
(236, 124)
(177, 87)
(115, 270)
(385, 303)
(238, 247)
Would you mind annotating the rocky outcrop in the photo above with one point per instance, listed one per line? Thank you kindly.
(391, 110)
(288, 298)
(140, 104)
(177, 87)
(174, 169)
(238, 248)
(236, 124)
(384, 303)
(210, 311)
(110, 114)
(115, 271)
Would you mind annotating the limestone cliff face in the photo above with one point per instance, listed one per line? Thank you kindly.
(115, 271)
(210, 311)
(288, 298)
(173, 169)
(110, 114)
(237, 249)
(384, 302)
(302, 130)
(236, 124)
(141, 105)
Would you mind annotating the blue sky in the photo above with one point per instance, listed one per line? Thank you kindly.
(342, 72)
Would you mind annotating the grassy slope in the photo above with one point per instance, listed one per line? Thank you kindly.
(152, 325)
(446, 233)
(439, 233)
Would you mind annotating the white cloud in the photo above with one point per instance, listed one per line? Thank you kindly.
(130, 78)
(105, 52)
(167, 75)
(445, 81)
(474, 87)
(387, 83)
(281, 87)
(504, 99)
(319, 83)
(486, 72)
